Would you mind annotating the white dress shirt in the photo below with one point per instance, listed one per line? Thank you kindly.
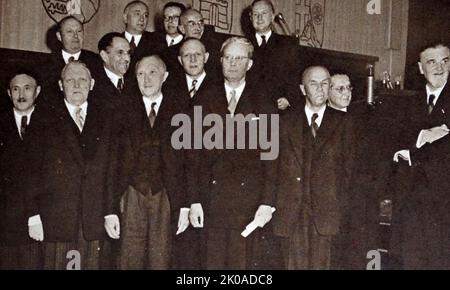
(18, 117)
(259, 38)
(200, 80)
(239, 90)
(137, 38)
(113, 77)
(176, 40)
(309, 113)
(66, 56)
(73, 110)
(148, 103)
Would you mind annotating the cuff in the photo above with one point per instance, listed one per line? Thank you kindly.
(111, 216)
(418, 145)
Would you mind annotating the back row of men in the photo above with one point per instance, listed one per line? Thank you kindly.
(93, 167)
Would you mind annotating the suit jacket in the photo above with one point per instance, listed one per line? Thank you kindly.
(147, 160)
(51, 90)
(168, 54)
(106, 92)
(278, 67)
(314, 170)
(71, 182)
(213, 42)
(231, 184)
(14, 172)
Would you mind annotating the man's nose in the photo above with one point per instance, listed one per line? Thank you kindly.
(193, 58)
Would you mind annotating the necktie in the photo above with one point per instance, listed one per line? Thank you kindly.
(79, 118)
(23, 126)
(193, 89)
(264, 41)
(172, 42)
(71, 59)
(314, 126)
(233, 103)
(132, 45)
(431, 104)
(152, 115)
(120, 85)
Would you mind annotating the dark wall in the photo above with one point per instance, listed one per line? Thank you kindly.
(429, 21)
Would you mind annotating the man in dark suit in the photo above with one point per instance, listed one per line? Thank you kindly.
(227, 187)
(276, 56)
(151, 171)
(421, 219)
(111, 85)
(168, 41)
(69, 200)
(314, 166)
(192, 25)
(70, 34)
(17, 250)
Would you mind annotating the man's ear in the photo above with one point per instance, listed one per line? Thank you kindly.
(206, 57)
(58, 36)
(179, 60)
(250, 64)
(92, 84)
(104, 56)
(420, 67)
(125, 18)
(181, 29)
(61, 86)
(9, 93)
(38, 91)
(302, 88)
(166, 75)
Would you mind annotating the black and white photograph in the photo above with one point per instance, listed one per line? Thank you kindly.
(206, 136)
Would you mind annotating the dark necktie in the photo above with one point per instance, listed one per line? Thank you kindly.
(264, 41)
(431, 104)
(71, 59)
(152, 115)
(314, 126)
(120, 85)
(132, 46)
(23, 126)
(172, 42)
(193, 89)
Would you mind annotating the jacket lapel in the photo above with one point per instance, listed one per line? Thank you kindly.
(69, 130)
(327, 128)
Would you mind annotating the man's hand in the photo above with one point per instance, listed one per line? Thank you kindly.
(112, 226)
(404, 155)
(196, 215)
(283, 104)
(183, 220)
(263, 215)
(432, 135)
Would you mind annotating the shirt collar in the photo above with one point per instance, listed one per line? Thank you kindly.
(239, 90)
(177, 39)
(436, 93)
(200, 80)
(259, 38)
(345, 110)
(66, 56)
(72, 108)
(113, 77)
(148, 103)
(309, 113)
(18, 116)
(137, 38)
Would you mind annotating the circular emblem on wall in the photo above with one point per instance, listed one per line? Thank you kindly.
(83, 10)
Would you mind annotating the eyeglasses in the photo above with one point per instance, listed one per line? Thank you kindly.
(171, 18)
(230, 58)
(343, 89)
(192, 23)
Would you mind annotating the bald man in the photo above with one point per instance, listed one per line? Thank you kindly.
(313, 179)
(150, 173)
